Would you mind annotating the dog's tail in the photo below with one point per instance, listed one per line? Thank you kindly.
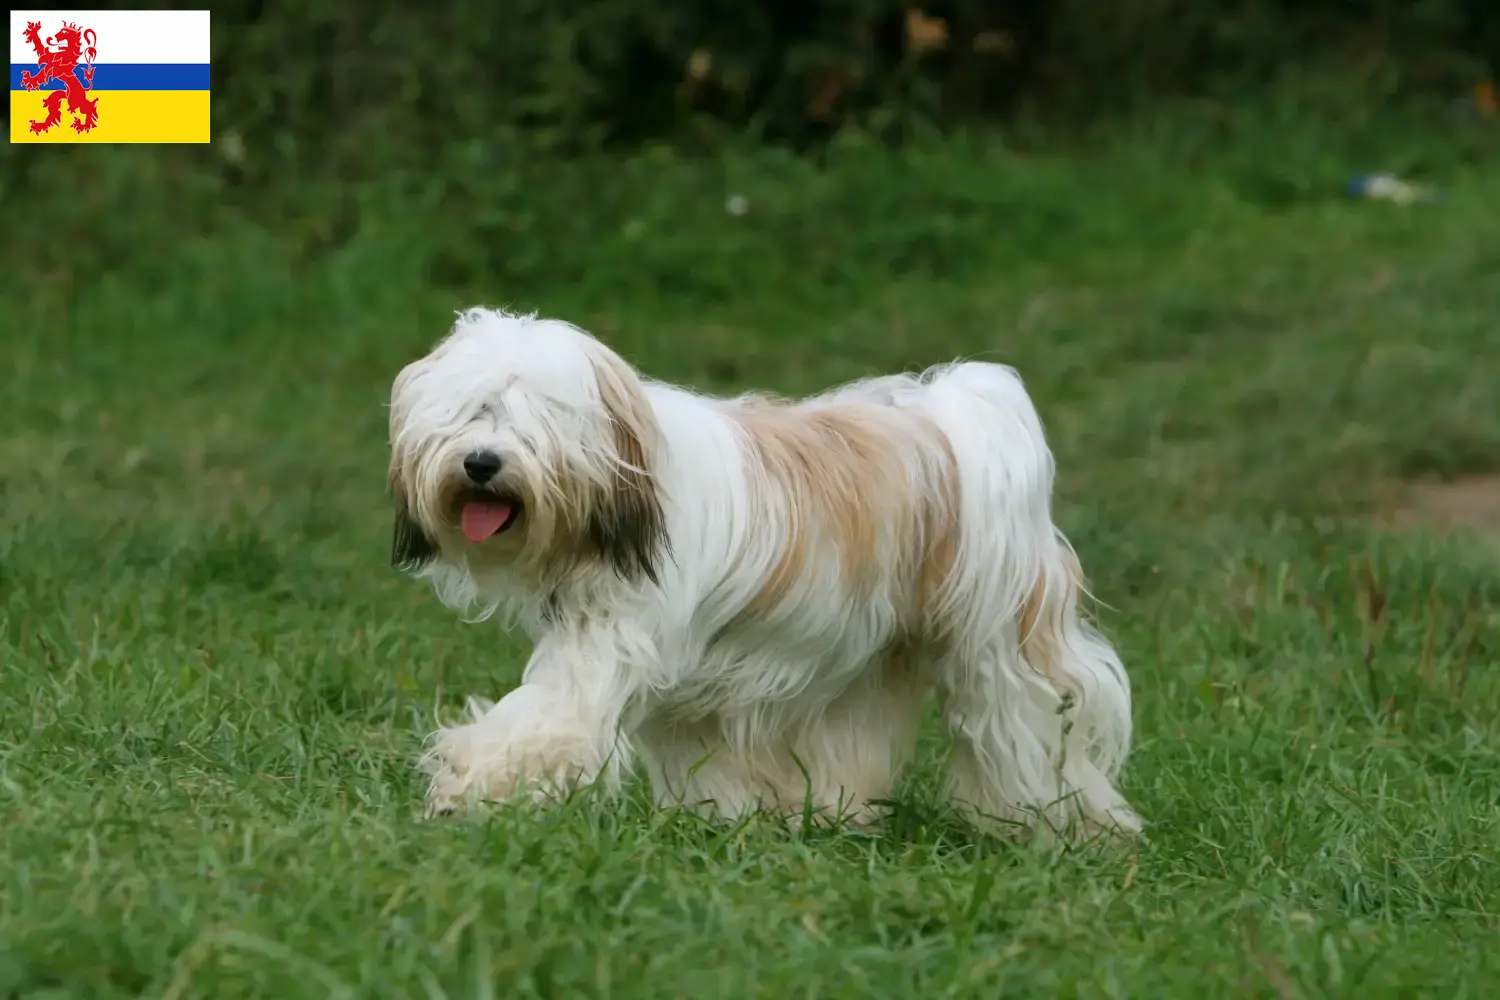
(1013, 600)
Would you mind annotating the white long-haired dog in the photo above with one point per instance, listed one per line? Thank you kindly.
(752, 596)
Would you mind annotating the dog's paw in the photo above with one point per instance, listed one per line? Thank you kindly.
(523, 747)
(449, 765)
(467, 770)
(447, 795)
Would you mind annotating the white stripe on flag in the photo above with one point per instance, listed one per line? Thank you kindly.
(124, 36)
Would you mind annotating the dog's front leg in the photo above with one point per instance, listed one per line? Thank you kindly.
(559, 729)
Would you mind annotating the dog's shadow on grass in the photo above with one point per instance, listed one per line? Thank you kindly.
(909, 822)
(916, 818)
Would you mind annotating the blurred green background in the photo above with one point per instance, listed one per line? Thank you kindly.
(1276, 411)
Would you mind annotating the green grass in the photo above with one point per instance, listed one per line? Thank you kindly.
(212, 687)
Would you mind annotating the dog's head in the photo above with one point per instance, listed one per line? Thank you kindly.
(523, 444)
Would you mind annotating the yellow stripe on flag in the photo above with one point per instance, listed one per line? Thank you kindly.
(166, 116)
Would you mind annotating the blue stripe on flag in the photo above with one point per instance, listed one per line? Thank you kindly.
(127, 76)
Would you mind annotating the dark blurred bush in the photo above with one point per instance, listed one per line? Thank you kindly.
(579, 73)
(347, 85)
(462, 109)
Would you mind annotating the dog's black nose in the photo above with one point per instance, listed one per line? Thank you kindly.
(481, 466)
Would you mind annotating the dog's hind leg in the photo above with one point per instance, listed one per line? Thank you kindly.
(1038, 701)
(1040, 712)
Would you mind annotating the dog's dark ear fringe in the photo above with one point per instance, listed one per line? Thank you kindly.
(626, 525)
(631, 534)
(411, 547)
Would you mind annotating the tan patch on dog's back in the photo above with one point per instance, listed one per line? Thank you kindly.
(845, 473)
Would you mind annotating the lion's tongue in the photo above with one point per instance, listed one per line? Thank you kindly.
(482, 518)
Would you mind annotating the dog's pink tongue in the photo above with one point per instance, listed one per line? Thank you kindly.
(482, 518)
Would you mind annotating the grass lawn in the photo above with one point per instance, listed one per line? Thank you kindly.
(212, 686)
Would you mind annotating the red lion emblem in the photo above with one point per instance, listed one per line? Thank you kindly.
(56, 59)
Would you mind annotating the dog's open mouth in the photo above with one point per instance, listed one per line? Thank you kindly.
(485, 516)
